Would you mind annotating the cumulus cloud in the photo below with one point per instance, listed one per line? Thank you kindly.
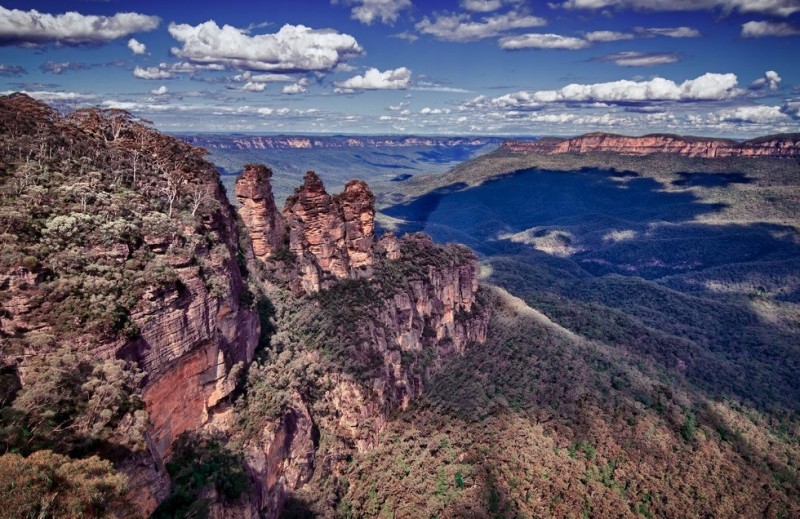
(762, 29)
(708, 87)
(770, 80)
(754, 114)
(137, 47)
(542, 41)
(461, 27)
(670, 32)
(606, 36)
(160, 91)
(11, 70)
(367, 11)
(640, 59)
(152, 73)
(772, 7)
(374, 79)
(481, 6)
(299, 87)
(294, 48)
(434, 111)
(18, 27)
(791, 108)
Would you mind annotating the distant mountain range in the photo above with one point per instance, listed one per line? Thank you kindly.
(254, 142)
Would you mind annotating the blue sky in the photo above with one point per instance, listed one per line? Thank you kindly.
(506, 67)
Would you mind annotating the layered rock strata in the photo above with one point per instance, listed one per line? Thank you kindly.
(257, 209)
(769, 146)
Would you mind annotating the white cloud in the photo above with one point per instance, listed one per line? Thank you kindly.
(707, 87)
(754, 114)
(461, 28)
(434, 111)
(761, 29)
(169, 70)
(374, 79)
(670, 32)
(262, 78)
(152, 73)
(606, 36)
(293, 48)
(771, 80)
(481, 6)
(542, 41)
(252, 86)
(50, 96)
(367, 11)
(160, 91)
(137, 47)
(299, 87)
(640, 59)
(405, 35)
(772, 7)
(792, 108)
(19, 27)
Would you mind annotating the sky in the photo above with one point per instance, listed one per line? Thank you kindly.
(459, 67)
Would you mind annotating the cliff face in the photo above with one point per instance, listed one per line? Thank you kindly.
(258, 210)
(416, 301)
(121, 266)
(135, 260)
(771, 146)
(331, 236)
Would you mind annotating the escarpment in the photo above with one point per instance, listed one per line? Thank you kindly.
(133, 308)
(770, 146)
(379, 314)
(121, 289)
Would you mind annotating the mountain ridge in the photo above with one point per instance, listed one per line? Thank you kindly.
(778, 145)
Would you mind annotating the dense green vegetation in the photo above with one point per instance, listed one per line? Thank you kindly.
(97, 211)
(540, 422)
(200, 463)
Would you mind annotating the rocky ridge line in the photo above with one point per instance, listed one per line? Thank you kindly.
(769, 146)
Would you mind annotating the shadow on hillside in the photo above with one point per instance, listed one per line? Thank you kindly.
(711, 179)
(591, 198)
(716, 334)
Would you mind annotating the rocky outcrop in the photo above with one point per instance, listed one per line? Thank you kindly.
(424, 307)
(332, 237)
(771, 146)
(193, 344)
(357, 207)
(258, 210)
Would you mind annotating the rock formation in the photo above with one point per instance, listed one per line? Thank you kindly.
(332, 237)
(169, 296)
(258, 210)
(433, 309)
(769, 146)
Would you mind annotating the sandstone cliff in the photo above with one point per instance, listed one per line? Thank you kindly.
(258, 211)
(769, 146)
(394, 309)
(125, 283)
(131, 256)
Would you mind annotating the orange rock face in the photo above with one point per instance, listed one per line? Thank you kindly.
(333, 237)
(770, 146)
(258, 210)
